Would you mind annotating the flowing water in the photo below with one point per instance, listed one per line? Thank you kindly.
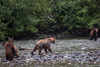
(64, 46)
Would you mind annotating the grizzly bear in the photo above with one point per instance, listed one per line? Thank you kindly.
(93, 34)
(15, 48)
(10, 49)
(44, 44)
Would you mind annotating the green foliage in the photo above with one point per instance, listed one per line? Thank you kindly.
(47, 16)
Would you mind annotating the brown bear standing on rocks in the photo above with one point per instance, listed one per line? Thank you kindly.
(10, 49)
(44, 44)
(93, 34)
(15, 48)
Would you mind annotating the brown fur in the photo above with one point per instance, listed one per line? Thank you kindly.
(93, 34)
(16, 51)
(10, 49)
(44, 44)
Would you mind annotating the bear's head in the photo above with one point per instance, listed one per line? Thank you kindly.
(53, 39)
(5, 44)
(10, 40)
(96, 29)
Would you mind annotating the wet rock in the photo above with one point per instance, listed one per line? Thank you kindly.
(61, 55)
(54, 57)
(3, 60)
(83, 48)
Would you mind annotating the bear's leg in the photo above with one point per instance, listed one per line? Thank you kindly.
(7, 57)
(96, 35)
(95, 38)
(91, 37)
(10, 58)
(13, 51)
(35, 48)
(45, 50)
(40, 49)
(16, 54)
(49, 49)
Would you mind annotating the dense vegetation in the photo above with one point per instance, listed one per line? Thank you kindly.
(37, 17)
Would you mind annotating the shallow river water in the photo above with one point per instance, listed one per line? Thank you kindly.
(63, 49)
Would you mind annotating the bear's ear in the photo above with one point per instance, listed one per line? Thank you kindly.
(9, 38)
(12, 39)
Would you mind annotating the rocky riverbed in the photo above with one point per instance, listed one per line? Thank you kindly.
(59, 57)
(66, 52)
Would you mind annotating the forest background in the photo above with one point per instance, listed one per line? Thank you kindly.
(36, 18)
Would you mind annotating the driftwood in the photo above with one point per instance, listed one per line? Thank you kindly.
(23, 48)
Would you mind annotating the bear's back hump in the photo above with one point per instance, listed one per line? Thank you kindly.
(43, 41)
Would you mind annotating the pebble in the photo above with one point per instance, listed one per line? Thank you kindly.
(83, 48)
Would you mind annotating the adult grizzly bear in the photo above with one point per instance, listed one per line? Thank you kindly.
(44, 44)
(10, 49)
(93, 34)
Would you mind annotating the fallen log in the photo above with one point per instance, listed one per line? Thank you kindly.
(23, 48)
